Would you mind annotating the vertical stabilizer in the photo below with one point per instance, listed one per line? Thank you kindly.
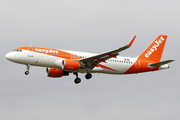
(155, 50)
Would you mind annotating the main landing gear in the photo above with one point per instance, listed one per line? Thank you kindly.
(78, 80)
(27, 72)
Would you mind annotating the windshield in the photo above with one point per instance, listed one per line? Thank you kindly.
(18, 50)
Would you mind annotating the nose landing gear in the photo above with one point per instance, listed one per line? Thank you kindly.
(27, 72)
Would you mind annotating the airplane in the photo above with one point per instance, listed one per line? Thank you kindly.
(60, 63)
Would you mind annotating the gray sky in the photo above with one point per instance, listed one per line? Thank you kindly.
(91, 26)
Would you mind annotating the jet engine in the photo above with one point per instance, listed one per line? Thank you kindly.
(53, 72)
(70, 65)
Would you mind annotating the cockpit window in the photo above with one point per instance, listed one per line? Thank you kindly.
(18, 50)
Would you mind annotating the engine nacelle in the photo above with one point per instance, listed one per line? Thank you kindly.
(70, 65)
(53, 72)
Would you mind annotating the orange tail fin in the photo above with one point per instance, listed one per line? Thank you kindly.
(155, 50)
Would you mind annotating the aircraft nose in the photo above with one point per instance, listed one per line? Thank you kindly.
(8, 56)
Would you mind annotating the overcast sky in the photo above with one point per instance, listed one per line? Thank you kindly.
(91, 26)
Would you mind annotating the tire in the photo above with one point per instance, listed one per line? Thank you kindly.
(88, 76)
(27, 73)
(77, 80)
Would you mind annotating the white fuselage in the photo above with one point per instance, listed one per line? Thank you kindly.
(119, 65)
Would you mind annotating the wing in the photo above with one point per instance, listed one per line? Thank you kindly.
(91, 62)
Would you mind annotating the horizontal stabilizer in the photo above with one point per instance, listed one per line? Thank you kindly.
(160, 63)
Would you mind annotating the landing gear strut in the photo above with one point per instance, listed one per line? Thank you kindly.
(77, 80)
(27, 72)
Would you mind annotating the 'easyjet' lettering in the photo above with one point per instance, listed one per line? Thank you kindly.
(154, 47)
(45, 50)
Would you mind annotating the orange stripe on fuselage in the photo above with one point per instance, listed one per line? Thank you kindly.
(140, 66)
(51, 52)
(105, 67)
(102, 66)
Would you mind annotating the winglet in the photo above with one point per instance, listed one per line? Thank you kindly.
(132, 41)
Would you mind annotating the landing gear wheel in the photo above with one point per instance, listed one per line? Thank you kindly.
(27, 73)
(77, 80)
(88, 76)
